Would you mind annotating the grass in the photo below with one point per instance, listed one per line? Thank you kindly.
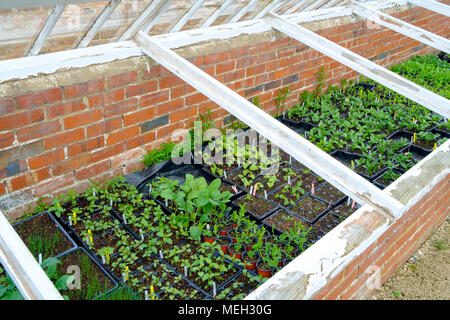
(440, 245)
(91, 283)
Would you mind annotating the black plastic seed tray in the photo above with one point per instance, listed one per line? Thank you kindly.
(57, 224)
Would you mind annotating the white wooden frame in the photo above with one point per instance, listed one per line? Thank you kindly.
(433, 6)
(49, 24)
(216, 14)
(242, 11)
(291, 142)
(402, 27)
(101, 19)
(364, 66)
(19, 262)
(185, 18)
(22, 267)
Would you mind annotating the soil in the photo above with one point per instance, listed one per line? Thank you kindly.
(242, 285)
(343, 210)
(225, 167)
(93, 281)
(256, 205)
(280, 201)
(283, 221)
(327, 223)
(425, 276)
(42, 231)
(309, 208)
(425, 145)
(328, 193)
(308, 179)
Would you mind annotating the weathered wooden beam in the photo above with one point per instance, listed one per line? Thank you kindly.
(185, 18)
(402, 27)
(22, 267)
(364, 66)
(101, 19)
(46, 30)
(297, 6)
(216, 14)
(149, 25)
(8, 4)
(242, 12)
(273, 6)
(291, 142)
(149, 13)
(432, 6)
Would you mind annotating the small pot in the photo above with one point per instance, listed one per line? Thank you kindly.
(249, 246)
(209, 239)
(250, 264)
(235, 254)
(231, 233)
(263, 270)
(224, 230)
(224, 242)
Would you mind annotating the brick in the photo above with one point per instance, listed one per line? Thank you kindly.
(138, 116)
(81, 119)
(166, 131)
(6, 139)
(122, 135)
(142, 88)
(195, 99)
(183, 114)
(84, 89)
(20, 182)
(64, 138)
(225, 67)
(169, 81)
(154, 98)
(122, 159)
(66, 108)
(152, 124)
(122, 79)
(251, 71)
(95, 101)
(140, 140)
(71, 164)
(41, 174)
(7, 105)
(216, 57)
(39, 98)
(16, 167)
(2, 188)
(86, 146)
(105, 126)
(121, 108)
(54, 184)
(170, 106)
(21, 119)
(39, 130)
(107, 152)
(113, 96)
(92, 171)
(21, 152)
(45, 159)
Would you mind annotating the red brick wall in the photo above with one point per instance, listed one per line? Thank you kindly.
(393, 247)
(57, 139)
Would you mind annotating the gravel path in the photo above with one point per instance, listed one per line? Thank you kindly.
(426, 275)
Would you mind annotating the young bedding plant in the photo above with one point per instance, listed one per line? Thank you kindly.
(172, 240)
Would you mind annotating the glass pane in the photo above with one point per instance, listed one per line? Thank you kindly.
(19, 28)
(74, 22)
(124, 15)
